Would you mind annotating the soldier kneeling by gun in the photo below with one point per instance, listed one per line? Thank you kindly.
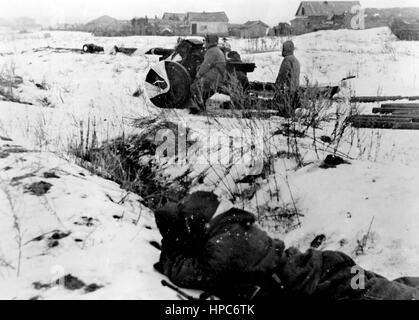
(212, 246)
(211, 74)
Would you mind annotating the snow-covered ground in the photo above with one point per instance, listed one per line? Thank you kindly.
(108, 231)
(63, 220)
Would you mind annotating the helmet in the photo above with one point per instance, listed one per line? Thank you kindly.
(288, 48)
(211, 39)
(234, 55)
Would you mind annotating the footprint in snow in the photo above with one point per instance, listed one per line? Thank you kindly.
(51, 175)
(4, 154)
(53, 239)
(86, 221)
(69, 282)
(39, 188)
(5, 138)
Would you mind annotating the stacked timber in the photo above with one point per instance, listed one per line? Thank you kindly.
(398, 109)
(390, 116)
(371, 99)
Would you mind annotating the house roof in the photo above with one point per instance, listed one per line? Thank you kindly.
(235, 25)
(170, 15)
(104, 20)
(250, 24)
(326, 8)
(207, 16)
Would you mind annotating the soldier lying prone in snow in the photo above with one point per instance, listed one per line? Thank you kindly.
(212, 246)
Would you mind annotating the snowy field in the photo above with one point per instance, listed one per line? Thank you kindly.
(56, 218)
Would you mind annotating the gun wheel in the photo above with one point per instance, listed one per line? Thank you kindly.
(168, 85)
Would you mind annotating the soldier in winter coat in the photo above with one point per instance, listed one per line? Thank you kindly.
(234, 56)
(212, 246)
(211, 74)
(288, 79)
(289, 73)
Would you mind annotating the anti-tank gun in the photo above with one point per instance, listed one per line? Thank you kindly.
(168, 82)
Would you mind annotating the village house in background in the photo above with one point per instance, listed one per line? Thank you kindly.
(253, 29)
(107, 26)
(174, 16)
(323, 15)
(310, 16)
(282, 29)
(202, 23)
(171, 24)
(174, 24)
(234, 29)
(194, 23)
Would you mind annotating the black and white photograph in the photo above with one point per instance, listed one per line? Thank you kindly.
(212, 151)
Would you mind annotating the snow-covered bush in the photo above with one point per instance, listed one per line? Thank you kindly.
(287, 143)
(131, 161)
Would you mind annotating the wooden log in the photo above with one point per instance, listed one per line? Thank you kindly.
(368, 99)
(396, 111)
(385, 122)
(385, 117)
(373, 125)
(378, 120)
(397, 108)
(407, 126)
(387, 125)
(406, 112)
(400, 105)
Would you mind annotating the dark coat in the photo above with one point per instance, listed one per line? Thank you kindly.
(289, 74)
(228, 259)
(241, 75)
(227, 255)
(213, 69)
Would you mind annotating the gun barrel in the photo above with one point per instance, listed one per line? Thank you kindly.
(242, 66)
(160, 51)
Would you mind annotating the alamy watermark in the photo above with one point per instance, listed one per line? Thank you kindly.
(358, 280)
(237, 146)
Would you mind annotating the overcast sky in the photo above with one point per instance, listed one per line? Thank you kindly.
(270, 11)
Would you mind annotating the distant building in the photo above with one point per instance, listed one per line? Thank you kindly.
(171, 24)
(174, 16)
(107, 26)
(167, 32)
(282, 29)
(202, 23)
(254, 29)
(323, 15)
(102, 22)
(234, 29)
